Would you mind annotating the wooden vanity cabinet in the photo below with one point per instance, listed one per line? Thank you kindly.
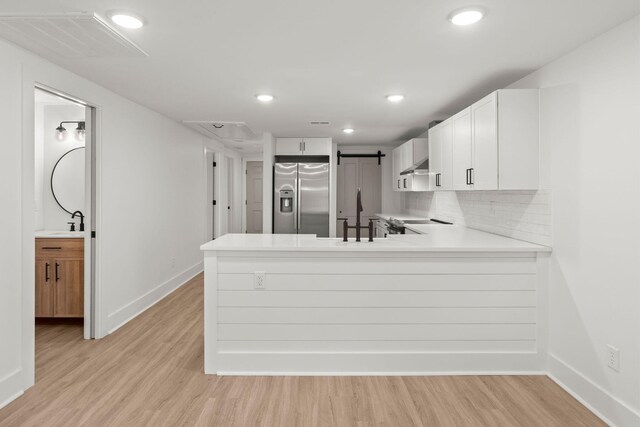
(59, 277)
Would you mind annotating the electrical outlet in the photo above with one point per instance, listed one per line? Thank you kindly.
(613, 358)
(259, 280)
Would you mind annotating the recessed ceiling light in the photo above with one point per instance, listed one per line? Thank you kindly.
(348, 130)
(264, 97)
(395, 98)
(127, 20)
(466, 16)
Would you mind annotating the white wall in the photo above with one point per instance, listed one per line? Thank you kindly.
(14, 372)
(590, 110)
(48, 150)
(523, 215)
(150, 206)
(268, 153)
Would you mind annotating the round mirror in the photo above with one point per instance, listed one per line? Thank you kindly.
(67, 180)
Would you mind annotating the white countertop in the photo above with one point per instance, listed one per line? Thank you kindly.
(426, 228)
(60, 234)
(400, 216)
(438, 238)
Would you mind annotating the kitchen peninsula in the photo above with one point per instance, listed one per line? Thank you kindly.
(451, 300)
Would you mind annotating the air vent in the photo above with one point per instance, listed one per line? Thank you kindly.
(316, 123)
(67, 35)
(238, 131)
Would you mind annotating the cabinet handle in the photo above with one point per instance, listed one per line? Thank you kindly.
(57, 272)
(398, 183)
(437, 180)
(52, 248)
(471, 176)
(404, 182)
(46, 272)
(468, 176)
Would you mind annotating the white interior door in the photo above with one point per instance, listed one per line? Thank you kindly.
(254, 203)
(211, 200)
(230, 193)
(90, 317)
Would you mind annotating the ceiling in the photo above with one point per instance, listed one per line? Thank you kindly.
(332, 60)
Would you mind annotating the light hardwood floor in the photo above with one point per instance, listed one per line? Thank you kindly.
(150, 372)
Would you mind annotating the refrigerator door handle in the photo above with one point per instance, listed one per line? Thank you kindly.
(298, 201)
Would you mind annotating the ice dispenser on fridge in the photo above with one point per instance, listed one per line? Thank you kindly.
(286, 201)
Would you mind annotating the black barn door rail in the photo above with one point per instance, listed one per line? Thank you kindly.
(379, 155)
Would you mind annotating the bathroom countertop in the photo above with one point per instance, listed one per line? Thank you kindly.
(60, 234)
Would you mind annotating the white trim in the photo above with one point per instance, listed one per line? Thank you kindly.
(216, 192)
(610, 409)
(379, 374)
(336, 363)
(243, 221)
(8, 385)
(125, 314)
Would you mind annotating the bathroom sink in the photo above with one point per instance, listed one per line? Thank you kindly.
(60, 234)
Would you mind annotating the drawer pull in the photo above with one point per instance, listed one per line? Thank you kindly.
(52, 248)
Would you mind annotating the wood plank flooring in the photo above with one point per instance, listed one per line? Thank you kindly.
(150, 372)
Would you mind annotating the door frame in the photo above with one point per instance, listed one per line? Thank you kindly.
(256, 158)
(209, 153)
(91, 319)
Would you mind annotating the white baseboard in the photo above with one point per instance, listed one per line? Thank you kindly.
(123, 315)
(599, 401)
(11, 387)
(378, 374)
(357, 364)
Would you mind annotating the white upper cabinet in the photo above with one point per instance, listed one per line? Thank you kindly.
(462, 150)
(397, 168)
(405, 156)
(303, 146)
(494, 144)
(440, 157)
(484, 128)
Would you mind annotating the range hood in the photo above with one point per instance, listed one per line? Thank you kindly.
(421, 167)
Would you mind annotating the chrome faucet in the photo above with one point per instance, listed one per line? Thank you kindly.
(81, 219)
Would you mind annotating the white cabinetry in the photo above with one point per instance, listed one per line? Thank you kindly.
(405, 156)
(303, 146)
(492, 145)
(441, 157)
(462, 149)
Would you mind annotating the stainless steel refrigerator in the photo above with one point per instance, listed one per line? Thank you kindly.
(301, 195)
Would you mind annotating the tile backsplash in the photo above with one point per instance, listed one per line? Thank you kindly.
(523, 215)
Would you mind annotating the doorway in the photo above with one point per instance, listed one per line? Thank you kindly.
(353, 173)
(65, 206)
(211, 207)
(230, 194)
(253, 201)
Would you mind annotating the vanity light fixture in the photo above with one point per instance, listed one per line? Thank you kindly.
(395, 98)
(127, 20)
(61, 131)
(348, 130)
(264, 97)
(466, 16)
